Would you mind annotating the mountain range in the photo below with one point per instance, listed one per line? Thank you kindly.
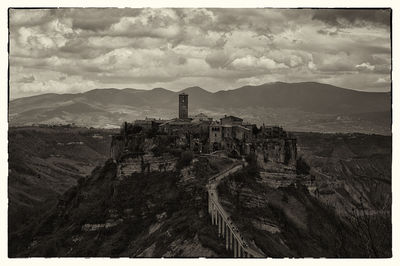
(306, 106)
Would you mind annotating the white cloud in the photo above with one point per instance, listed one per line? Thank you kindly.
(71, 84)
(311, 65)
(383, 80)
(250, 62)
(160, 23)
(365, 66)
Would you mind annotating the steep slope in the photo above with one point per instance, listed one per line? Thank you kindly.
(350, 168)
(158, 214)
(45, 162)
(341, 209)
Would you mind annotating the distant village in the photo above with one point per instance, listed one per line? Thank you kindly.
(153, 144)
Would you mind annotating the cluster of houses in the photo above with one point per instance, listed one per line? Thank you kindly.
(201, 134)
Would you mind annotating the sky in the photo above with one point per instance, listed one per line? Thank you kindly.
(76, 50)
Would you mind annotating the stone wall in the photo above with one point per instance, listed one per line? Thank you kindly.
(117, 147)
(273, 152)
(146, 163)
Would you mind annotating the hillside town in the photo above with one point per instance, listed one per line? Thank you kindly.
(152, 144)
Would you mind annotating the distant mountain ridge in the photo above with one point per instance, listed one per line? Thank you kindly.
(107, 106)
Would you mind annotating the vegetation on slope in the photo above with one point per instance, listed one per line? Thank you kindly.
(44, 162)
(152, 215)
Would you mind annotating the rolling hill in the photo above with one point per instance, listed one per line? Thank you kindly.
(306, 106)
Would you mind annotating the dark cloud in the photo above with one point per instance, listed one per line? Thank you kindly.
(95, 19)
(29, 17)
(344, 18)
(217, 59)
(80, 48)
(147, 79)
(27, 79)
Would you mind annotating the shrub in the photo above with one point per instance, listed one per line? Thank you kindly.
(251, 159)
(185, 160)
(285, 198)
(302, 167)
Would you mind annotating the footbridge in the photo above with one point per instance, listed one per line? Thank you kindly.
(227, 230)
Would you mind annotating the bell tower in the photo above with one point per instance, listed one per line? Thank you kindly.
(183, 106)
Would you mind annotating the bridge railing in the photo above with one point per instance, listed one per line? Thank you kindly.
(213, 196)
(234, 229)
(223, 172)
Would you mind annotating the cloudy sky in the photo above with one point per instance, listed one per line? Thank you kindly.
(75, 50)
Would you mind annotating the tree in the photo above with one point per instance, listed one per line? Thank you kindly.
(185, 159)
(373, 228)
(302, 167)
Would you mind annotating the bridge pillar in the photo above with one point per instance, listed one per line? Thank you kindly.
(219, 225)
(223, 227)
(240, 251)
(214, 218)
(212, 213)
(227, 238)
(237, 249)
(234, 248)
(209, 203)
(230, 240)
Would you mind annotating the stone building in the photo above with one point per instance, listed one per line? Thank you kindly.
(231, 120)
(229, 134)
(215, 135)
(183, 106)
(175, 126)
(270, 144)
(149, 123)
(201, 118)
(272, 132)
(144, 144)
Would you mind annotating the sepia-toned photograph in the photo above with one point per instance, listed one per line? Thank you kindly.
(199, 132)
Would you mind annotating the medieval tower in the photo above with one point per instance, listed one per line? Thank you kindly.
(183, 106)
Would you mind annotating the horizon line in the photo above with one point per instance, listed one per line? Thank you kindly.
(180, 91)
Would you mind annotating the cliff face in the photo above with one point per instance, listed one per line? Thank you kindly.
(341, 208)
(280, 151)
(350, 169)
